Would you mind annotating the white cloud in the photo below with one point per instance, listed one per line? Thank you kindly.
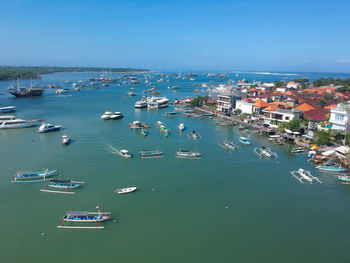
(343, 60)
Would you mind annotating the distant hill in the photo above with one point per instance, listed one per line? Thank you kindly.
(11, 73)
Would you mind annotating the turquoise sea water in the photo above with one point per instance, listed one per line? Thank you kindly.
(225, 207)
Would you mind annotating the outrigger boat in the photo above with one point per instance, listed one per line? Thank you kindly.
(28, 177)
(344, 179)
(330, 168)
(172, 114)
(244, 140)
(228, 145)
(297, 150)
(150, 154)
(188, 154)
(303, 175)
(84, 217)
(63, 186)
(194, 135)
(125, 190)
(264, 151)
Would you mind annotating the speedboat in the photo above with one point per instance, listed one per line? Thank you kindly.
(65, 140)
(125, 153)
(188, 154)
(181, 127)
(244, 141)
(47, 127)
(106, 115)
(18, 123)
(8, 109)
(141, 104)
(125, 190)
(116, 115)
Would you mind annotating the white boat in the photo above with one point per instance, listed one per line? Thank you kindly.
(47, 127)
(61, 91)
(18, 123)
(7, 117)
(140, 104)
(157, 102)
(265, 152)
(244, 141)
(65, 140)
(110, 115)
(188, 154)
(303, 175)
(125, 190)
(125, 153)
(8, 109)
(181, 127)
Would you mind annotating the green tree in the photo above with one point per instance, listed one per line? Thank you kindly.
(323, 137)
(238, 111)
(294, 125)
(322, 103)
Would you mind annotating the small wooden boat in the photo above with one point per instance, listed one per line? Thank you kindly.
(243, 127)
(125, 190)
(301, 175)
(244, 140)
(26, 177)
(228, 145)
(65, 140)
(62, 186)
(297, 150)
(188, 155)
(172, 114)
(144, 132)
(150, 154)
(331, 168)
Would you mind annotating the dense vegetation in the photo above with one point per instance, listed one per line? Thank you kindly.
(10, 73)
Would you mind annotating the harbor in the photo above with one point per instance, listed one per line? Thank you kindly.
(221, 195)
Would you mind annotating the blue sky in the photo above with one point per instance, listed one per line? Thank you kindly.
(222, 35)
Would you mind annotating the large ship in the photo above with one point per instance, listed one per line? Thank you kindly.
(18, 91)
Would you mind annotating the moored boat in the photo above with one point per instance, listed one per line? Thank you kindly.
(187, 154)
(297, 150)
(18, 123)
(150, 154)
(47, 127)
(172, 114)
(303, 175)
(244, 141)
(8, 109)
(33, 176)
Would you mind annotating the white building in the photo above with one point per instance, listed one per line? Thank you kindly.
(282, 89)
(340, 116)
(224, 103)
(281, 115)
(245, 106)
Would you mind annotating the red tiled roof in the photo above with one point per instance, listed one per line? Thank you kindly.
(271, 108)
(330, 107)
(261, 104)
(317, 114)
(304, 107)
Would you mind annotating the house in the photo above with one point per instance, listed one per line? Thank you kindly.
(281, 115)
(340, 116)
(282, 89)
(316, 115)
(259, 105)
(304, 107)
(225, 103)
(293, 85)
(245, 106)
(291, 101)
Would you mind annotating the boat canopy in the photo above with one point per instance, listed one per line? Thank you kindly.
(77, 213)
(328, 153)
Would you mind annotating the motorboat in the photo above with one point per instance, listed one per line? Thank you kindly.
(188, 154)
(181, 127)
(65, 140)
(47, 127)
(297, 150)
(7, 117)
(110, 115)
(33, 176)
(137, 125)
(141, 104)
(8, 109)
(125, 190)
(125, 153)
(18, 123)
(244, 140)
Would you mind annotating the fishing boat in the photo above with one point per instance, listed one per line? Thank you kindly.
(344, 179)
(228, 145)
(297, 150)
(84, 217)
(65, 140)
(194, 135)
(27, 177)
(181, 127)
(47, 127)
(172, 114)
(125, 190)
(62, 186)
(301, 175)
(244, 140)
(264, 151)
(331, 168)
(8, 109)
(18, 123)
(226, 123)
(188, 154)
(144, 132)
(138, 125)
(150, 154)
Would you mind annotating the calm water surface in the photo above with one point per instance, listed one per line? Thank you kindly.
(226, 207)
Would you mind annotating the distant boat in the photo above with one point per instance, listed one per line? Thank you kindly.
(144, 132)
(244, 140)
(188, 154)
(125, 153)
(172, 114)
(125, 190)
(65, 140)
(47, 127)
(109, 115)
(150, 154)
(181, 127)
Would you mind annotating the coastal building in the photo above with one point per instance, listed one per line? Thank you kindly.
(245, 106)
(282, 89)
(280, 115)
(340, 117)
(226, 97)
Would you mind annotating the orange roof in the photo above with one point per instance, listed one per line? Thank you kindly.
(289, 92)
(330, 106)
(278, 103)
(304, 107)
(261, 104)
(291, 82)
(252, 89)
(339, 95)
(271, 108)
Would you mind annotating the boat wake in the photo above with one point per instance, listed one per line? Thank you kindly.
(112, 150)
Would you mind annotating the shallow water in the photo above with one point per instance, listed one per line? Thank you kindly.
(225, 207)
